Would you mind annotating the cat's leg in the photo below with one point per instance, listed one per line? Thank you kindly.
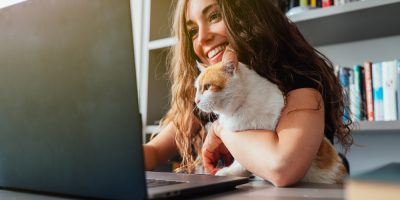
(235, 169)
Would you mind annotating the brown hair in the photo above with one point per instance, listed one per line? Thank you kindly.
(183, 72)
(265, 40)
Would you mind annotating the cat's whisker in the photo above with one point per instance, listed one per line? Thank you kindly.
(194, 108)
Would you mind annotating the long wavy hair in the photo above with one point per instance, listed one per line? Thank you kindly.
(190, 132)
(267, 41)
(271, 44)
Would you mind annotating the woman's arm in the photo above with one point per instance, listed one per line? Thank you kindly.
(282, 157)
(161, 148)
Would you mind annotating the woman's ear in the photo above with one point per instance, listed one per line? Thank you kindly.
(230, 61)
(200, 66)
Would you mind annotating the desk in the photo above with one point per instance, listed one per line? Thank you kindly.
(253, 190)
(261, 190)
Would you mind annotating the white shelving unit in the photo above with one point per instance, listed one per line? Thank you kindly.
(328, 29)
(152, 45)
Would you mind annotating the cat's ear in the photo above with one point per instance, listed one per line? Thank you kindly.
(200, 66)
(230, 61)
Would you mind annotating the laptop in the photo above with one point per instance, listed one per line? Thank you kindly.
(69, 117)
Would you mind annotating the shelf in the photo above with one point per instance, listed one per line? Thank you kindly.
(150, 129)
(376, 126)
(349, 22)
(6, 3)
(161, 43)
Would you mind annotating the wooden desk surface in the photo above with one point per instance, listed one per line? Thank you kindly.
(251, 191)
(262, 190)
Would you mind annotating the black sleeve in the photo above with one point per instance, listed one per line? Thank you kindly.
(299, 81)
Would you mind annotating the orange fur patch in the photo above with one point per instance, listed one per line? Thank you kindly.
(327, 158)
(215, 77)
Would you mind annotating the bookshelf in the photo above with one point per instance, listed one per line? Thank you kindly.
(367, 126)
(331, 30)
(366, 19)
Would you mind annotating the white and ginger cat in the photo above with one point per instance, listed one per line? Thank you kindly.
(244, 100)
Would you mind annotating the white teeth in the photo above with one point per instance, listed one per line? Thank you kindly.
(216, 51)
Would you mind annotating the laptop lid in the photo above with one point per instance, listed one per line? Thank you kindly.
(69, 119)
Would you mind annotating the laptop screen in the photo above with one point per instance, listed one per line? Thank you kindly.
(69, 119)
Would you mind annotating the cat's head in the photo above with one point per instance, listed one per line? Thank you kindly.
(219, 85)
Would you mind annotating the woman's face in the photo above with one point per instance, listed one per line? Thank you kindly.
(207, 30)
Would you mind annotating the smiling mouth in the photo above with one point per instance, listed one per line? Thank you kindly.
(216, 50)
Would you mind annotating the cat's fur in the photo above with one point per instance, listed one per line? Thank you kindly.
(244, 100)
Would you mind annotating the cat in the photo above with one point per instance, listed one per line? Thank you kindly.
(244, 100)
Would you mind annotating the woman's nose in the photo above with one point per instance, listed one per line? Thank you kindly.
(204, 34)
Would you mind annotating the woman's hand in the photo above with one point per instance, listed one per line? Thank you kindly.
(214, 149)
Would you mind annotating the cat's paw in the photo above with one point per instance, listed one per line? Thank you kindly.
(223, 172)
(227, 171)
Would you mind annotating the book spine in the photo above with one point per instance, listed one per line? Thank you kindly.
(389, 80)
(303, 2)
(293, 4)
(398, 88)
(368, 90)
(344, 81)
(377, 91)
(327, 3)
(319, 3)
(363, 102)
(313, 3)
(355, 93)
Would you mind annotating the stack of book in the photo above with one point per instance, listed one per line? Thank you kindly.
(311, 4)
(372, 90)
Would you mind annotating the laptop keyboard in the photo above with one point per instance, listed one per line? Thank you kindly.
(157, 182)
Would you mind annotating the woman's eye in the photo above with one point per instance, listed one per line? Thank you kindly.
(215, 16)
(193, 32)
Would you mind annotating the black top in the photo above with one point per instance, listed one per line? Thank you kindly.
(304, 82)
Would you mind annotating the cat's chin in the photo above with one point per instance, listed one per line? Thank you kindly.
(204, 110)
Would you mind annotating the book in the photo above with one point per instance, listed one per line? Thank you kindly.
(313, 3)
(389, 81)
(377, 89)
(319, 3)
(380, 183)
(303, 2)
(398, 88)
(293, 4)
(369, 98)
(327, 3)
(357, 93)
(344, 74)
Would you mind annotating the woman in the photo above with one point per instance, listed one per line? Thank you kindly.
(265, 40)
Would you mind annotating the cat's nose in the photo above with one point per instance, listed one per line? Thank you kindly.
(197, 101)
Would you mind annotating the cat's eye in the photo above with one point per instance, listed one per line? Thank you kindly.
(207, 86)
